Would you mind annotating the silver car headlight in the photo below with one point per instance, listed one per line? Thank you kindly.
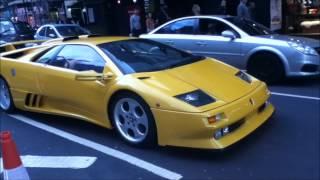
(303, 48)
(196, 98)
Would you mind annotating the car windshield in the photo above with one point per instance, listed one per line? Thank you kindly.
(23, 28)
(6, 28)
(142, 55)
(71, 30)
(250, 27)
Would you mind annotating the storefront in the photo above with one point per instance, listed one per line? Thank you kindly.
(302, 16)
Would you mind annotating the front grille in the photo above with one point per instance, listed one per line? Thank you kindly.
(236, 125)
(262, 107)
(310, 68)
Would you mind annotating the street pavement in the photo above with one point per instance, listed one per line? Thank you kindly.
(286, 147)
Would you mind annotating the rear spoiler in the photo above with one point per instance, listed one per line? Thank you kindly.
(17, 53)
(19, 45)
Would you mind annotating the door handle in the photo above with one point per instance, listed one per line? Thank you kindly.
(201, 43)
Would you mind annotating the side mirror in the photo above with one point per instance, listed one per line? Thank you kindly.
(229, 34)
(93, 76)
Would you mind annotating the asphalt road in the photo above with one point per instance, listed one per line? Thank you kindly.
(286, 147)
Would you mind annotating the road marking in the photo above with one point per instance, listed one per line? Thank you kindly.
(295, 96)
(69, 162)
(162, 172)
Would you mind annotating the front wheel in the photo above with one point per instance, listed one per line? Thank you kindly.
(133, 120)
(6, 102)
(266, 67)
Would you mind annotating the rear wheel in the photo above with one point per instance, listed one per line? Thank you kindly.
(6, 102)
(266, 67)
(133, 120)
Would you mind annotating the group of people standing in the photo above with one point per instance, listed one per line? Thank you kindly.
(150, 22)
(244, 10)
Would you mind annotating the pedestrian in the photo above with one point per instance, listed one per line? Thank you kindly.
(135, 25)
(252, 10)
(196, 10)
(243, 10)
(223, 7)
(162, 16)
(150, 24)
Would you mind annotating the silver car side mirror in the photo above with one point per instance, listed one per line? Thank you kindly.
(228, 34)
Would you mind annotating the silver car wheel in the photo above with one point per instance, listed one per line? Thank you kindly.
(131, 120)
(5, 100)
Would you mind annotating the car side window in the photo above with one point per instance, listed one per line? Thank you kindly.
(212, 27)
(186, 26)
(42, 32)
(79, 58)
(51, 33)
(49, 55)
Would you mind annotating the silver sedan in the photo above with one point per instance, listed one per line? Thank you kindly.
(244, 44)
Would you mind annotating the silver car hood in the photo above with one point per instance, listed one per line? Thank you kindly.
(306, 41)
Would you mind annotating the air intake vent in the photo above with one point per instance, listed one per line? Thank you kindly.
(33, 100)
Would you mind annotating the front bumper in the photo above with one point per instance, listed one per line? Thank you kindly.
(193, 130)
(302, 65)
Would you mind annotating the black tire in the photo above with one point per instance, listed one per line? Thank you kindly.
(150, 139)
(11, 108)
(266, 67)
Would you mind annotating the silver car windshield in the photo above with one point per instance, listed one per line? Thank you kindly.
(250, 27)
(71, 30)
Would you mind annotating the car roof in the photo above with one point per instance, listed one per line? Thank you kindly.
(205, 16)
(57, 25)
(65, 25)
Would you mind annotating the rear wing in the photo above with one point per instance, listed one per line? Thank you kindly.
(18, 53)
(19, 45)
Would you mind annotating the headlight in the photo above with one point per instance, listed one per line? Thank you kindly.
(303, 49)
(196, 98)
(244, 76)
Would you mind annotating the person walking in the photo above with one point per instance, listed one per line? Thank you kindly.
(243, 10)
(150, 24)
(252, 10)
(135, 25)
(196, 10)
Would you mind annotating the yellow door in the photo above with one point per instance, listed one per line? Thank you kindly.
(22, 80)
(63, 92)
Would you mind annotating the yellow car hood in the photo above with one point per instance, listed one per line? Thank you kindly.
(213, 77)
(216, 79)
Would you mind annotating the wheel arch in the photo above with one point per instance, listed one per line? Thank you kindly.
(128, 91)
(116, 93)
(270, 50)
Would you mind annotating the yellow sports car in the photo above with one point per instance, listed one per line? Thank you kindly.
(149, 92)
